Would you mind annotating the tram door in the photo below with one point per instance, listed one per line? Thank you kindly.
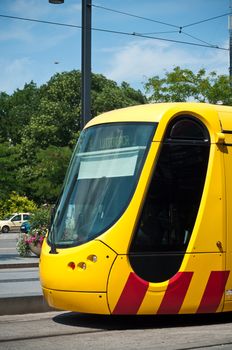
(172, 201)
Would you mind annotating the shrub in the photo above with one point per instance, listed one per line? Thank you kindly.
(39, 224)
(40, 218)
(22, 245)
(15, 204)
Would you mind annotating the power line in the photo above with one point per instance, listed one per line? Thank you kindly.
(156, 21)
(205, 20)
(166, 32)
(181, 32)
(200, 40)
(161, 39)
(41, 21)
(133, 15)
(167, 24)
(114, 32)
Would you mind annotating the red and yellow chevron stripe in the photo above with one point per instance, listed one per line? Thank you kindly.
(135, 290)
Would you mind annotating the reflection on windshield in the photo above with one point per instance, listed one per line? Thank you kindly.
(101, 180)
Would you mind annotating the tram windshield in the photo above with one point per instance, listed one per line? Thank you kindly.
(101, 180)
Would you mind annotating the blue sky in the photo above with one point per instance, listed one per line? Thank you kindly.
(29, 50)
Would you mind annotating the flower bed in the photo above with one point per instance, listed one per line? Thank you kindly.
(31, 242)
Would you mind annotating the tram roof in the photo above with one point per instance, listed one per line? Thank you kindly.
(155, 111)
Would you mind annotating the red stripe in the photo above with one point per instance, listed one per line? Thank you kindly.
(175, 293)
(213, 292)
(132, 295)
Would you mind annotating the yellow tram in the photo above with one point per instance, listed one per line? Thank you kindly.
(144, 221)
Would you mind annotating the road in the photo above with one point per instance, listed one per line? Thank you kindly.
(65, 330)
(14, 280)
(8, 244)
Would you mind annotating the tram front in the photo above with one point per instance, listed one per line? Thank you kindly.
(125, 237)
(100, 182)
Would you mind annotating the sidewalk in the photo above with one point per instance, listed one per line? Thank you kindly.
(20, 290)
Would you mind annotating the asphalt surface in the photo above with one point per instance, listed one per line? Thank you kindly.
(20, 290)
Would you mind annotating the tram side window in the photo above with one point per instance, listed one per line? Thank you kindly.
(175, 191)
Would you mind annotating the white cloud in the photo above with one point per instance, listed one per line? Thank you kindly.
(141, 59)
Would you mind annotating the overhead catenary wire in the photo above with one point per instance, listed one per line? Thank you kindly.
(205, 20)
(41, 21)
(180, 32)
(160, 22)
(165, 32)
(114, 32)
(165, 23)
(135, 16)
(200, 40)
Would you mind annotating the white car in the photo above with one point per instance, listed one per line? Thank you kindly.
(13, 222)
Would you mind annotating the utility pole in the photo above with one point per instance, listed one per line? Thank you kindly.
(86, 62)
(85, 59)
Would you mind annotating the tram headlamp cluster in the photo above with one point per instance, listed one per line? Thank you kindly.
(82, 265)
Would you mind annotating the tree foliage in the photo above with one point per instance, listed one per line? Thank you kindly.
(49, 172)
(15, 204)
(9, 161)
(40, 126)
(182, 85)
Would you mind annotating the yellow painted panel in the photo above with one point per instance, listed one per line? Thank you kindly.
(151, 302)
(228, 139)
(117, 279)
(56, 270)
(163, 112)
(95, 303)
(201, 265)
(225, 117)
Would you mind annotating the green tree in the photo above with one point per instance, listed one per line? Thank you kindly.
(58, 119)
(9, 162)
(40, 218)
(22, 105)
(48, 173)
(16, 203)
(40, 126)
(182, 85)
(107, 95)
(4, 122)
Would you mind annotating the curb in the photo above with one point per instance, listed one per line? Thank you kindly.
(23, 305)
(18, 266)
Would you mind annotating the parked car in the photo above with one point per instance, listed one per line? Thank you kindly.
(13, 222)
(25, 227)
